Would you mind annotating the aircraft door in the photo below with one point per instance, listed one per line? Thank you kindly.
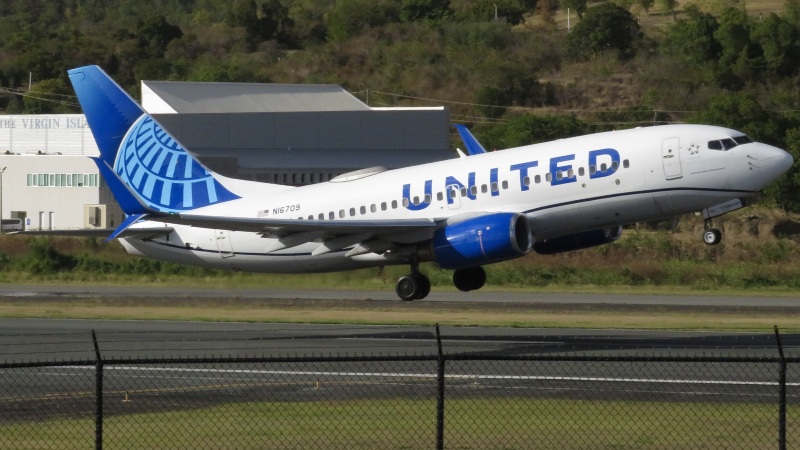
(224, 244)
(671, 158)
(453, 196)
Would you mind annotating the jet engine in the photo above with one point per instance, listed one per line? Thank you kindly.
(480, 240)
(578, 241)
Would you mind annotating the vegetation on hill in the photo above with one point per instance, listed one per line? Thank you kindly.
(509, 68)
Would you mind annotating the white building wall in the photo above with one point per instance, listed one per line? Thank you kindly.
(53, 207)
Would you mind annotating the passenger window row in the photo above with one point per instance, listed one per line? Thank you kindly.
(463, 192)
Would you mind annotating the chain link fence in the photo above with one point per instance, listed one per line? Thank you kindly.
(458, 400)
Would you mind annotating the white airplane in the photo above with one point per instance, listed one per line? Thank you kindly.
(477, 209)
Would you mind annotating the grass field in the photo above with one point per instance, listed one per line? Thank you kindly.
(410, 424)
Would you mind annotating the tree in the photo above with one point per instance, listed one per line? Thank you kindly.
(670, 6)
(778, 40)
(417, 10)
(604, 27)
(693, 38)
(350, 17)
(526, 129)
(579, 6)
(511, 10)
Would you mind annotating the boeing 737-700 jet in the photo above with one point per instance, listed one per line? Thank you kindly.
(476, 209)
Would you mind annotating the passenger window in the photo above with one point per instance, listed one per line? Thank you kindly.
(581, 171)
(537, 179)
(626, 164)
(311, 217)
(463, 192)
(394, 204)
(592, 170)
(505, 184)
(321, 216)
(526, 181)
(439, 196)
(473, 190)
(452, 193)
(405, 202)
(615, 165)
(484, 189)
(494, 186)
(548, 177)
(603, 167)
(373, 208)
(416, 200)
(383, 206)
(331, 215)
(352, 212)
(341, 214)
(427, 198)
(559, 175)
(363, 210)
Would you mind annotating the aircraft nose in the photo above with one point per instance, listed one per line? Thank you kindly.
(773, 159)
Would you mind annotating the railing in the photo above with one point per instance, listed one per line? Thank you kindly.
(440, 400)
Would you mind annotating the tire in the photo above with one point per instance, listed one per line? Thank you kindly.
(712, 236)
(423, 286)
(407, 288)
(469, 279)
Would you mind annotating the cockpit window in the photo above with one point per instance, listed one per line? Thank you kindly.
(728, 143)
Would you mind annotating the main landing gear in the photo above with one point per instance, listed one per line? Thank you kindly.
(416, 286)
(711, 235)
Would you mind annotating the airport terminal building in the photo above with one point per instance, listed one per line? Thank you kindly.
(275, 133)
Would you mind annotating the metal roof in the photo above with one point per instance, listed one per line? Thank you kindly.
(207, 97)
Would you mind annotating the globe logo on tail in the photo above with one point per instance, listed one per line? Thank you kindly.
(163, 173)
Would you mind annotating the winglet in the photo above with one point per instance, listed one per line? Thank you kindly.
(470, 143)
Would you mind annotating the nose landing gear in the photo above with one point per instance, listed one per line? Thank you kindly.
(711, 235)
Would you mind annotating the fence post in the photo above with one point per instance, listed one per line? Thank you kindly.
(98, 395)
(782, 395)
(440, 393)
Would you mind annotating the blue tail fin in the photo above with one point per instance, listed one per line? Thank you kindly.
(147, 162)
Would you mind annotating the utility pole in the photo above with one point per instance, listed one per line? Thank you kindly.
(2, 171)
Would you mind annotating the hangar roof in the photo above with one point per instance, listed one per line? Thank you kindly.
(171, 97)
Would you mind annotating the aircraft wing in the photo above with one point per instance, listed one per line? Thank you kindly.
(366, 235)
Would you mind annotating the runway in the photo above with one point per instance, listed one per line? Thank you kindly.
(388, 295)
(177, 382)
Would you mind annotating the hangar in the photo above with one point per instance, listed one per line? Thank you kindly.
(276, 133)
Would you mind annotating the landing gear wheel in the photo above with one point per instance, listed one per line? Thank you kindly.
(712, 236)
(424, 285)
(407, 288)
(469, 279)
(415, 286)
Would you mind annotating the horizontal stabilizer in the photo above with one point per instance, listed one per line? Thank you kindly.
(101, 233)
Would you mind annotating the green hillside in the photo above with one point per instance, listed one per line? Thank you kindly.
(520, 79)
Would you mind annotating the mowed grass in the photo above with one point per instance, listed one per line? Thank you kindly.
(416, 313)
(485, 423)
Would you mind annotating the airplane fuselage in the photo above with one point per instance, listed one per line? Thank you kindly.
(566, 186)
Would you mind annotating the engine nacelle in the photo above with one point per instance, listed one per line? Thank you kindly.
(481, 240)
(578, 241)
